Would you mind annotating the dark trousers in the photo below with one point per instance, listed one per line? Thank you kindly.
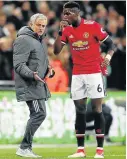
(37, 115)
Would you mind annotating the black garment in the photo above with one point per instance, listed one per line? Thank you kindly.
(2, 34)
(108, 119)
(99, 123)
(37, 115)
(117, 79)
(80, 121)
(17, 22)
(5, 65)
(107, 115)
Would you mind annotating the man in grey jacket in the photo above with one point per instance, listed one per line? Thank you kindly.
(31, 67)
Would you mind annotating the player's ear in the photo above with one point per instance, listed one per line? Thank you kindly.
(77, 13)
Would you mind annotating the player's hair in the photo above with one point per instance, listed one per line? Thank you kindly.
(36, 16)
(71, 5)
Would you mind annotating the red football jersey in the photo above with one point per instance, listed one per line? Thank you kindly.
(84, 42)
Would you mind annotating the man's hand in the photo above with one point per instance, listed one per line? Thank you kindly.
(104, 69)
(105, 62)
(37, 78)
(51, 72)
(63, 24)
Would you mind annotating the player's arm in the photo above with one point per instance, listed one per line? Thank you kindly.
(111, 49)
(60, 39)
(58, 45)
(104, 38)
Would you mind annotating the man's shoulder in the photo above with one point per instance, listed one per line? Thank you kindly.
(89, 22)
(22, 38)
(22, 41)
(67, 28)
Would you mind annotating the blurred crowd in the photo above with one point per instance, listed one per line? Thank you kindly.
(111, 15)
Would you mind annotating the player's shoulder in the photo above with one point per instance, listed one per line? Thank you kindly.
(90, 22)
(93, 24)
(67, 29)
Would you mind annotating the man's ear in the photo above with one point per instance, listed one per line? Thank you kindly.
(78, 13)
(30, 24)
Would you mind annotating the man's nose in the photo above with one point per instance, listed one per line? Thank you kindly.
(65, 16)
(42, 28)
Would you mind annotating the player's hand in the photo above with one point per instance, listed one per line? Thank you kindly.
(105, 62)
(63, 24)
(37, 78)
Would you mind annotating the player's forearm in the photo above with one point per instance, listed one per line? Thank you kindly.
(110, 46)
(110, 52)
(57, 45)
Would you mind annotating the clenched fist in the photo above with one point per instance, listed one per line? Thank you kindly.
(63, 24)
(105, 62)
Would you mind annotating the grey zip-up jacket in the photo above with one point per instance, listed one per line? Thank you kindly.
(30, 55)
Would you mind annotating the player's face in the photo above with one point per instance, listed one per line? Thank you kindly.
(69, 16)
(39, 26)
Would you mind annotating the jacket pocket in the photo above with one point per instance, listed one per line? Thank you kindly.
(33, 66)
(20, 93)
(41, 84)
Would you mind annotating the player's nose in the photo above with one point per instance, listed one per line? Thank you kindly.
(65, 16)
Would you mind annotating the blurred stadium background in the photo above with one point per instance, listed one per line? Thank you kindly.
(59, 129)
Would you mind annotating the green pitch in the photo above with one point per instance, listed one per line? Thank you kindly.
(111, 152)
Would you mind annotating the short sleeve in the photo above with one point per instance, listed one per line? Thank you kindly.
(64, 37)
(99, 32)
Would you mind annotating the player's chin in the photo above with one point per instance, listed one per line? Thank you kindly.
(67, 21)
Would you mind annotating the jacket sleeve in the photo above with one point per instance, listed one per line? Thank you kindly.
(21, 53)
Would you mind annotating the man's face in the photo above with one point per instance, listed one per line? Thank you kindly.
(2, 20)
(39, 26)
(69, 15)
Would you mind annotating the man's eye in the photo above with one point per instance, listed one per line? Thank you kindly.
(39, 25)
(67, 13)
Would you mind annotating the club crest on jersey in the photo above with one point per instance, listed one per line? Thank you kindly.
(80, 43)
(86, 35)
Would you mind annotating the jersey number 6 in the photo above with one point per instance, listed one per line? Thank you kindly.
(99, 89)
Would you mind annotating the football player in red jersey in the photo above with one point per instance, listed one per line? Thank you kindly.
(84, 38)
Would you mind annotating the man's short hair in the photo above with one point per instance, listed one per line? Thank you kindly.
(71, 5)
(36, 16)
